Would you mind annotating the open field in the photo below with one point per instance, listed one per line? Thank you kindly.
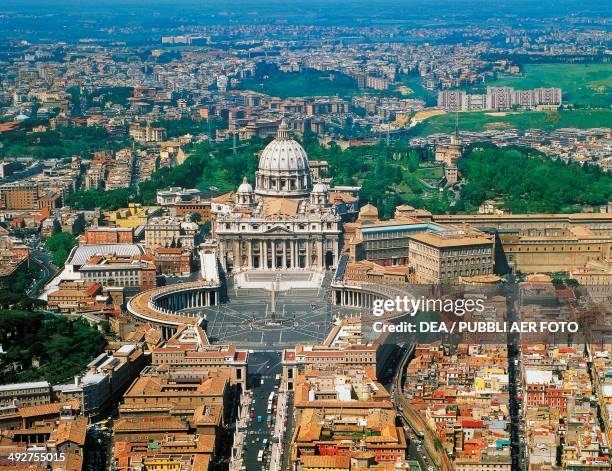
(582, 84)
(480, 121)
(308, 82)
(413, 83)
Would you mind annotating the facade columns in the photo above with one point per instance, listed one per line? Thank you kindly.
(235, 255)
(320, 257)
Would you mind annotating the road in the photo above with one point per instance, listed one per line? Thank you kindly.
(47, 270)
(263, 367)
(286, 439)
(517, 442)
(40, 257)
(419, 432)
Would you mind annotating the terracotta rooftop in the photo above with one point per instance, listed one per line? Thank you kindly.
(325, 462)
(71, 431)
(149, 424)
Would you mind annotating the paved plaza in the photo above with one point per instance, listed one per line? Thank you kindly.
(302, 315)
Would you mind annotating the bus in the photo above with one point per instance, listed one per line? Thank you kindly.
(270, 402)
(260, 456)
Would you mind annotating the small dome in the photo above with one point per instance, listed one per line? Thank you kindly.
(245, 187)
(320, 187)
(368, 211)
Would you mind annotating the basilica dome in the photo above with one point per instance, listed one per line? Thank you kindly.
(245, 187)
(283, 167)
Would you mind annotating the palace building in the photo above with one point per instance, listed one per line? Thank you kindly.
(286, 222)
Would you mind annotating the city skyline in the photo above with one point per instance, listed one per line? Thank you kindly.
(305, 236)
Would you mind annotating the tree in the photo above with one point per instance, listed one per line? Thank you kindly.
(205, 228)
(60, 245)
(528, 181)
(413, 160)
(196, 217)
(62, 346)
(109, 200)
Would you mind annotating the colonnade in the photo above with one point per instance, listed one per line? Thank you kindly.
(185, 300)
(353, 298)
(176, 301)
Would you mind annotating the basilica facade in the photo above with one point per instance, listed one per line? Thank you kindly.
(286, 222)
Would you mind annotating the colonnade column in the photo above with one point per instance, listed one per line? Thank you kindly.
(273, 255)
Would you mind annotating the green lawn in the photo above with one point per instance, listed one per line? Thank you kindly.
(479, 121)
(413, 82)
(308, 82)
(430, 173)
(582, 84)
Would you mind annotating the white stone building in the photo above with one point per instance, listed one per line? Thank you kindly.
(287, 222)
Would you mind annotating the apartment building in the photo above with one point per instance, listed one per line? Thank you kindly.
(20, 196)
(134, 273)
(75, 296)
(25, 394)
(133, 216)
(444, 257)
(155, 393)
(189, 353)
(170, 232)
(327, 358)
(108, 235)
(500, 99)
(320, 432)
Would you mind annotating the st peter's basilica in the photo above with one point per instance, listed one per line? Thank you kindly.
(287, 222)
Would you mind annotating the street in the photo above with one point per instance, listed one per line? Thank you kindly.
(263, 366)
